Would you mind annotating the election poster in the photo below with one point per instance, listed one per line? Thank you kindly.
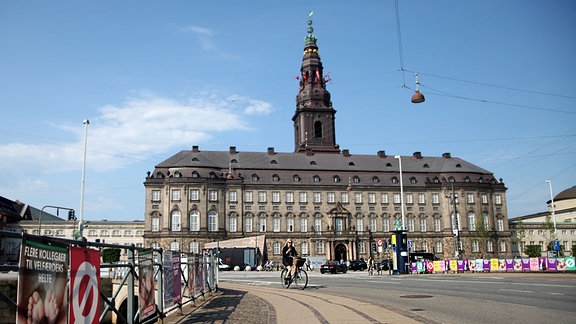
(172, 290)
(42, 282)
(146, 288)
(84, 285)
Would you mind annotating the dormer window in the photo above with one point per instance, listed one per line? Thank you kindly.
(426, 166)
(195, 159)
(234, 161)
(312, 162)
(458, 165)
(316, 178)
(436, 180)
(394, 180)
(337, 179)
(195, 174)
(351, 164)
(413, 180)
(375, 180)
(273, 162)
(296, 178)
(275, 178)
(356, 179)
(467, 180)
(255, 177)
(212, 175)
(177, 174)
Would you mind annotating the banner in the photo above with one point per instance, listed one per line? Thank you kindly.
(146, 288)
(84, 285)
(570, 263)
(509, 265)
(191, 273)
(172, 290)
(42, 280)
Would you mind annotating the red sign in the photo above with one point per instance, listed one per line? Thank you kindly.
(380, 242)
(84, 285)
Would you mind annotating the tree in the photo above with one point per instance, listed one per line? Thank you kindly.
(481, 233)
(533, 251)
(520, 235)
(110, 255)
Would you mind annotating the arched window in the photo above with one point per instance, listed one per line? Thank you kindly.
(375, 180)
(194, 221)
(316, 178)
(175, 223)
(318, 129)
(212, 221)
(275, 178)
(195, 174)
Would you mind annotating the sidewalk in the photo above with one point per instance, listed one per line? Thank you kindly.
(247, 304)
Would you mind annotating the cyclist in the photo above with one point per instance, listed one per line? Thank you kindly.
(288, 253)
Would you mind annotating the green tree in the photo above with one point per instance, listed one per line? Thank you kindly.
(110, 255)
(533, 251)
(520, 235)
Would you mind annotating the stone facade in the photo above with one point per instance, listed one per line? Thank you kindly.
(334, 204)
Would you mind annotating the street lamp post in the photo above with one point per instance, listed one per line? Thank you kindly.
(81, 223)
(552, 206)
(401, 192)
(453, 200)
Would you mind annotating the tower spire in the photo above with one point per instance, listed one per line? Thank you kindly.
(314, 127)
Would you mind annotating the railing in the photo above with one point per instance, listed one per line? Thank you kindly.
(198, 269)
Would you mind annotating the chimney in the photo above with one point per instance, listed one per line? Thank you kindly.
(417, 155)
(195, 149)
(271, 151)
(233, 150)
(346, 153)
(381, 154)
(446, 155)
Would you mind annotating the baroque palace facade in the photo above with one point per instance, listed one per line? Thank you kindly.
(335, 205)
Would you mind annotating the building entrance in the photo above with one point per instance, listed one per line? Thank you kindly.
(340, 253)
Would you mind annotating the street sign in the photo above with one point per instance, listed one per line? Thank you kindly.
(380, 242)
(556, 245)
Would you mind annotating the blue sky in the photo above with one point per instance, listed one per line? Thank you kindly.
(157, 77)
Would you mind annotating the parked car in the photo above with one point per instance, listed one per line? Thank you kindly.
(357, 265)
(333, 267)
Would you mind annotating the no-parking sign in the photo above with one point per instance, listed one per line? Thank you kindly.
(84, 285)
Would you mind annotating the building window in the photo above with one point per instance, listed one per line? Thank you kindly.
(174, 246)
(296, 178)
(276, 224)
(356, 179)
(156, 195)
(176, 195)
(394, 180)
(303, 197)
(194, 195)
(212, 221)
(248, 197)
(498, 200)
(338, 224)
(316, 178)
(475, 247)
(371, 198)
(413, 180)
(275, 197)
(194, 221)
(362, 247)
(262, 224)
(437, 225)
(422, 224)
(289, 197)
(289, 224)
(396, 198)
(358, 198)
(484, 198)
(486, 221)
(317, 197)
(470, 198)
(255, 177)
(421, 198)
(194, 247)
(385, 225)
(489, 247)
(317, 225)
(424, 246)
(409, 199)
(303, 224)
(275, 178)
(232, 196)
(175, 221)
(438, 247)
(502, 246)
(304, 248)
(337, 179)
(471, 221)
(384, 198)
(213, 195)
(435, 198)
(373, 224)
(233, 224)
(375, 180)
(500, 224)
(262, 196)
(90, 233)
(248, 224)
(331, 197)
(319, 247)
(410, 224)
(359, 225)
(155, 224)
(276, 248)
(344, 197)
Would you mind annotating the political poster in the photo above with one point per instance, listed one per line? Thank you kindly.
(42, 282)
(146, 288)
(534, 264)
(191, 273)
(551, 264)
(172, 290)
(509, 265)
(570, 263)
(84, 285)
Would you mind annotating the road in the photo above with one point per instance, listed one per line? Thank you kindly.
(447, 298)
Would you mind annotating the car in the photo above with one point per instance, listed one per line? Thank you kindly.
(385, 265)
(357, 265)
(333, 267)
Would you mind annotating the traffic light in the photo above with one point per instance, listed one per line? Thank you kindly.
(373, 246)
(71, 215)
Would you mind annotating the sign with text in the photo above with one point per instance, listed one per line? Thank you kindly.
(172, 282)
(42, 281)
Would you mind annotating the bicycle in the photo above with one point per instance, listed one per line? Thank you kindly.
(299, 277)
(371, 270)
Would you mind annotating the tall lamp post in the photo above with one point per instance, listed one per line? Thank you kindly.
(401, 192)
(81, 223)
(552, 206)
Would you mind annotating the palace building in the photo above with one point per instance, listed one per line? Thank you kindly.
(334, 204)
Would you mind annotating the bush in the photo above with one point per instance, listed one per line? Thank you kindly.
(533, 251)
(110, 255)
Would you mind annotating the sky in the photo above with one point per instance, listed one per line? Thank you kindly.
(157, 77)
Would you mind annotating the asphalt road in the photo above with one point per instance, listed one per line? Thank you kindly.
(448, 298)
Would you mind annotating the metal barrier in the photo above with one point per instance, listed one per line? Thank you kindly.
(200, 269)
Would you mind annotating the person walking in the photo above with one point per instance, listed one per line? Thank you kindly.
(370, 266)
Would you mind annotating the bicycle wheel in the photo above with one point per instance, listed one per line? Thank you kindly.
(282, 278)
(300, 279)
